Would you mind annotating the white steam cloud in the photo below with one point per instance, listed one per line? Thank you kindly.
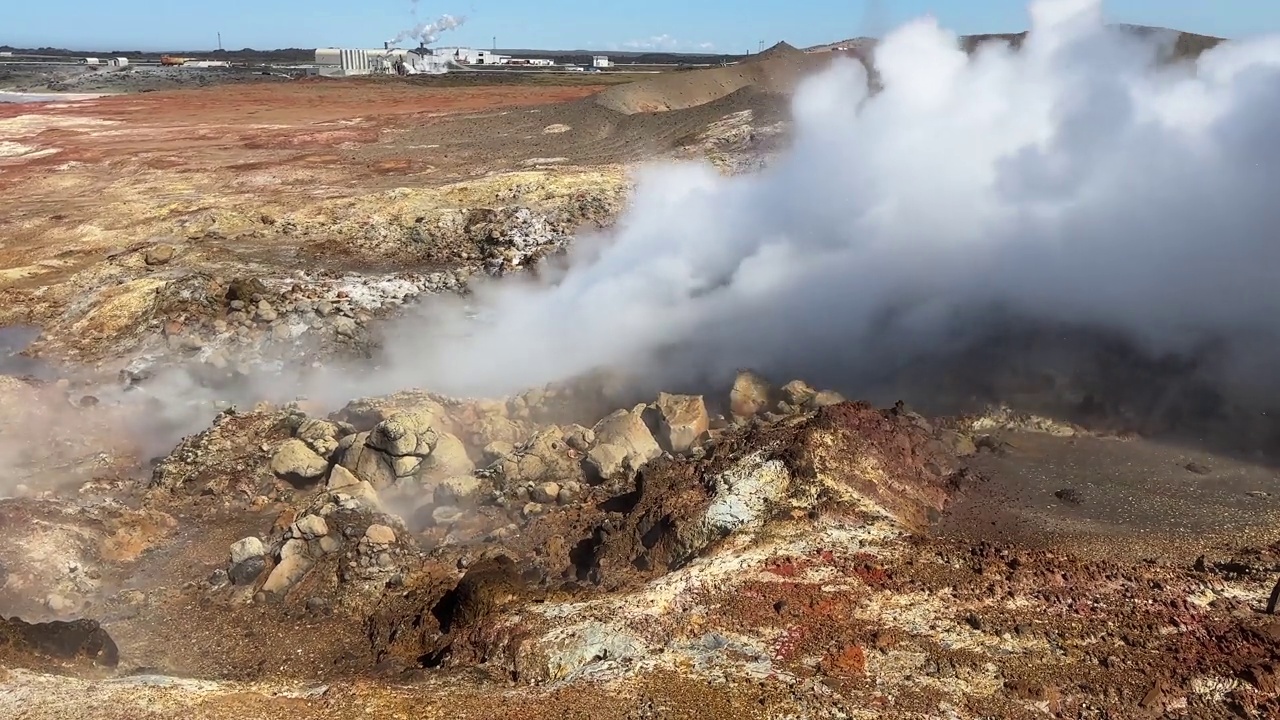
(426, 33)
(1074, 180)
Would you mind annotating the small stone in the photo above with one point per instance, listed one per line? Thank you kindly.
(825, 398)
(293, 548)
(310, 527)
(750, 395)
(290, 570)
(324, 308)
(533, 509)
(159, 255)
(218, 578)
(569, 494)
(385, 560)
(1070, 496)
(242, 550)
(547, 493)
(247, 571)
(380, 535)
(59, 604)
(317, 606)
(267, 315)
(340, 478)
(236, 305)
(330, 544)
(1197, 468)
(797, 393)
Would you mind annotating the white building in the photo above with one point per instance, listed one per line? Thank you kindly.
(385, 61)
(118, 62)
(469, 56)
(600, 61)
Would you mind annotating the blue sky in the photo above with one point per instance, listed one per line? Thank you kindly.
(732, 26)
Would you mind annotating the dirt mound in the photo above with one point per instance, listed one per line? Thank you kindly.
(851, 460)
(38, 645)
(776, 71)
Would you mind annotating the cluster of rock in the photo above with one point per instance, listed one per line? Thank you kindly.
(433, 462)
(244, 320)
(495, 239)
(370, 551)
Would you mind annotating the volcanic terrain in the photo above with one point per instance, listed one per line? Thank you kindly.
(181, 541)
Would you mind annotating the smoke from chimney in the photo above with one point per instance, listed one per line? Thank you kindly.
(426, 33)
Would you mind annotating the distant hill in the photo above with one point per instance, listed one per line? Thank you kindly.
(303, 55)
(1181, 45)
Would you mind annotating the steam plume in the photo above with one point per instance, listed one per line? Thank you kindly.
(427, 33)
(1075, 180)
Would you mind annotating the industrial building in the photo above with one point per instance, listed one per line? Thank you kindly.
(387, 61)
(468, 56)
(600, 61)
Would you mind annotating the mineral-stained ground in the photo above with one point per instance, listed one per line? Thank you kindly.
(767, 550)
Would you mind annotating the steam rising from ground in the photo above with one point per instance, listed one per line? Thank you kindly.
(1075, 180)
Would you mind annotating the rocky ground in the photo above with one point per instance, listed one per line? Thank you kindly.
(761, 550)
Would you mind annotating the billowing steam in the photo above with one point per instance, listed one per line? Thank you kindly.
(426, 33)
(1076, 180)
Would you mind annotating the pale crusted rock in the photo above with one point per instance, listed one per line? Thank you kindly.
(292, 548)
(361, 496)
(287, 573)
(684, 420)
(340, 477)
(365, 462)
(797, 393)
(825, 398)
(246, 548)
(609, 461)
(316, 429)
(750, 395)
(495, 451)
(320, 435)
(380, 535)
(545, 457)
(404, 435)
(459, 490)
(160, 254)
(958, 444)
(547, 493)
(495, 428)
(295, 461)
(310, 527)
(449, 457)
(623, 444)
(579, 438)
(366, 413)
